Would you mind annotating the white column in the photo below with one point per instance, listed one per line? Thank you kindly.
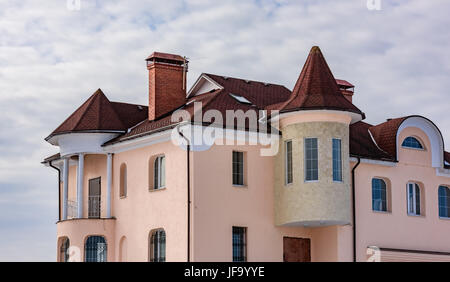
(80, 178)
(65, 188)
(108, 184)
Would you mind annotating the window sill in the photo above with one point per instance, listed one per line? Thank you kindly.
(382, 212)
(311, 181)
(338, 181)
(416, 149)
(416, 215)
(122, 197)
(240, 186)
(444, 218)
(289, 184)
(155, 190)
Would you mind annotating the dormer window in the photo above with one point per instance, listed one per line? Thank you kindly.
(412, 142)
(241, 99)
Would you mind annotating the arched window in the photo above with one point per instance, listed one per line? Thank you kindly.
(123, 249)
(123, 180)
(412, 142)
(157, 251)
(95, 249)
(159, 175)
(379, 195)
(64, 250)
(414, 200)
(444, 201)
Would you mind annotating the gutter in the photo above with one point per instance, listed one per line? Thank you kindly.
(354, 208)
(59, 189)
(188, 195)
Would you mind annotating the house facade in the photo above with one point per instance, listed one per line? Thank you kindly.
(301, 177)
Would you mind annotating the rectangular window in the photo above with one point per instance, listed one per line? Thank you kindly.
(379, 195)
(94, 198)
(238, 168)
(288, 157)
(160, 172)
(444, 202)
(413, 192)
(337, 160)
(311, 160)
(239, 244)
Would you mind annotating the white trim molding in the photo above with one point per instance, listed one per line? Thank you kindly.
(433, 133)
(203, 84)
(375, 162)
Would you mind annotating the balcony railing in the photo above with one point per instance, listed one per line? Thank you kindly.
(94, 207)
(71, 209)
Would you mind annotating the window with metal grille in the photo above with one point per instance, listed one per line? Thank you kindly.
(337, 160)
(64, 250)
(157, 246)
(159, 175)
(123, 180)
(413, 192)
(238, 168)
(412, 142)
(239, 244)
(288, 157)
(379, 195)
(444, 202)
(311, 160)
(95, 249)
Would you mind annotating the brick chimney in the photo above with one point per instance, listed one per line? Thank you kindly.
(347, 89)
(167, 83)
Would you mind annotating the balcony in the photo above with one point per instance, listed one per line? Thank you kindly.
(77, 230)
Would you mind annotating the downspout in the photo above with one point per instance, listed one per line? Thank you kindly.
(59, 189)
(354, 208)
(188, 149)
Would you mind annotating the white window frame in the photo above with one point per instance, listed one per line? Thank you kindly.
(439, 206)
(286, 166)
(413, 212)
(387, 193)
(304, 159)
(412, 148)
(157, 174)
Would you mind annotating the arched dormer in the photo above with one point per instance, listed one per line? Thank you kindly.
(387, 136)
(433, 134)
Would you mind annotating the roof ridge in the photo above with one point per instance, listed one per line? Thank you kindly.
(243, 79)
(92, 98)
(215, 95)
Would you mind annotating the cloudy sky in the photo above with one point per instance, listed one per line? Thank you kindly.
(53, 57)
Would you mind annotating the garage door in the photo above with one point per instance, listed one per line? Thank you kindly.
(404, 255)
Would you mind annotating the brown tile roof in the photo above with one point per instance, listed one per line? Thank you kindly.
(260, 94)
(344, 83)
(99, 114)
(385, 135)
(316, 88)
(362, 145)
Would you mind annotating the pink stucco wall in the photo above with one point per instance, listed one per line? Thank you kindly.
(142, 210)
(397, 229)
(217, 205)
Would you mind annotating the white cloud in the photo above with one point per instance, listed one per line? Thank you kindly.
(52, 59)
